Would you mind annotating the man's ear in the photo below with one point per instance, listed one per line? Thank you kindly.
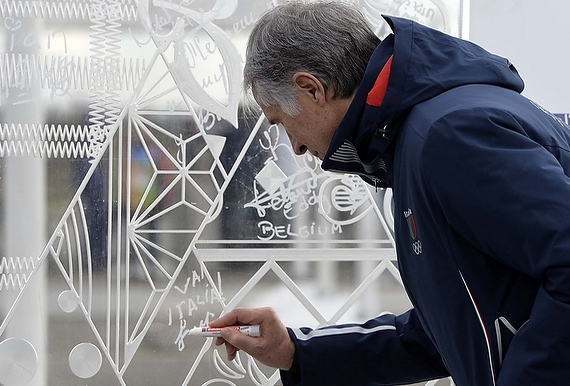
(308, 85)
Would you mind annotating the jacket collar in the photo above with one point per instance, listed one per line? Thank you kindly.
(424, 63)
(360, 124)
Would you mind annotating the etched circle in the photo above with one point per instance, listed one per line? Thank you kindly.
(68, 301)
(18, 361)
(85, 360)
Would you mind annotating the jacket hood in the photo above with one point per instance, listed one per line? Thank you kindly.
(422, 63)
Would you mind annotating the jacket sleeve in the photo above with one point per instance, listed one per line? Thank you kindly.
(387, 350)
(506, 189)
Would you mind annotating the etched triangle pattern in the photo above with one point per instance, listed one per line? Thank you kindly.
(152, 170)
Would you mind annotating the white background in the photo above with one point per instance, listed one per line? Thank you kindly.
(534, 36)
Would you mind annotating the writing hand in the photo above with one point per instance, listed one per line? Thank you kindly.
(273, 347)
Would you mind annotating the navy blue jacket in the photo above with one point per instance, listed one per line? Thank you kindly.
(480, 176)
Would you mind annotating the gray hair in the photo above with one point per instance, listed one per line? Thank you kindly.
(330, 40)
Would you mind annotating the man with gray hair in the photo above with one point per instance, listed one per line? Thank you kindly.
(481, 185)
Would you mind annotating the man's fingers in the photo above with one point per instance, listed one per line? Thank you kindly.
(251, 315)
(273, 347)
(236, 338)
(228, 319)
(231, 351)
(241, 316)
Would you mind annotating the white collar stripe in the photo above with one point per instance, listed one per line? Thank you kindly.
(347, 153)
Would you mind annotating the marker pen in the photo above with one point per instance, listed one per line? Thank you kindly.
(216, 331)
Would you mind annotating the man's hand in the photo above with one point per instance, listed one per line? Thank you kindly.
(273, 347)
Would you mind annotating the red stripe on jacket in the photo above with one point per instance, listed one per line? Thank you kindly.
(376, 94)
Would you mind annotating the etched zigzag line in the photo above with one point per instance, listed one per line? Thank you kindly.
(43, 132)
(68, 10)
(12, 281)
(45, 149)
(66, 73)
(113, 51)
(17, 264)
(15, 272)
(45, 140)
(99, 119)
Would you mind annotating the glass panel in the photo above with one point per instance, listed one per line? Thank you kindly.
(139, 200)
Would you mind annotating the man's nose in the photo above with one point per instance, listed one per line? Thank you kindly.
(298, 147)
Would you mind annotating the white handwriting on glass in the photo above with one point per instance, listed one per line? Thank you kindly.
(193, 303)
